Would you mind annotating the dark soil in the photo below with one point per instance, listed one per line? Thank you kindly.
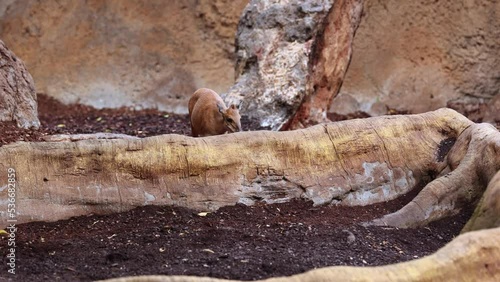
(237, 242)
(57, 118)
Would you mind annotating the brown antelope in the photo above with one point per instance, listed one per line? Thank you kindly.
(210, 116)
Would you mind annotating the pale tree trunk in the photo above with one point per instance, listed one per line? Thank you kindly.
(487, 213)
(355, 162)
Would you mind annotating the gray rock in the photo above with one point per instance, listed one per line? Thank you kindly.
(273, 46)
(17, 91)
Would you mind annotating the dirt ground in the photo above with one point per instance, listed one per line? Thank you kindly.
(237, 242)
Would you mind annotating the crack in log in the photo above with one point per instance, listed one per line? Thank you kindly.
(388, 159)
(187, 173)
(386, 152)
(444, 148)
(339, 198)
(419, 207)
(348, 179)
(120, 198)
(275, 188)
(302, 187)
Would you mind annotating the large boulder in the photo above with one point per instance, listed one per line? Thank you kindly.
(292, 54)
(124, 53)
(17, 91)
(273, 44)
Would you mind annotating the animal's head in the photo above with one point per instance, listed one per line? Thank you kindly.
(231, 118)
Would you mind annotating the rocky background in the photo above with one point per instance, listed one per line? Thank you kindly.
(422, 55)
(152, 53)
(406, 56)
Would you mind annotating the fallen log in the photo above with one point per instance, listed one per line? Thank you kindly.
(356, 162)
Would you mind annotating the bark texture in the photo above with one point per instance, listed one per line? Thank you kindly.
(17, 91)
(355, 162)
(292, 57)
(474, 256)
(472, 163)
(329, 59)
(487, 213)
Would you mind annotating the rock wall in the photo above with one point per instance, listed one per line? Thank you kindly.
(147, 53)
(409, 56)
(422, 55)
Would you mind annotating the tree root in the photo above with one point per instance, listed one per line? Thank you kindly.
(473, 161)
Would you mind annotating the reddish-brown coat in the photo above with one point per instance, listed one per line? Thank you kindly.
(210, 116)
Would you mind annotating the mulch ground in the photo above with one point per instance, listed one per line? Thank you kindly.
(237, 242)
(58, 118)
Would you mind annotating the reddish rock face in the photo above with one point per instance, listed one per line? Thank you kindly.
(17, 91)
(421, 55)
(124, 53)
